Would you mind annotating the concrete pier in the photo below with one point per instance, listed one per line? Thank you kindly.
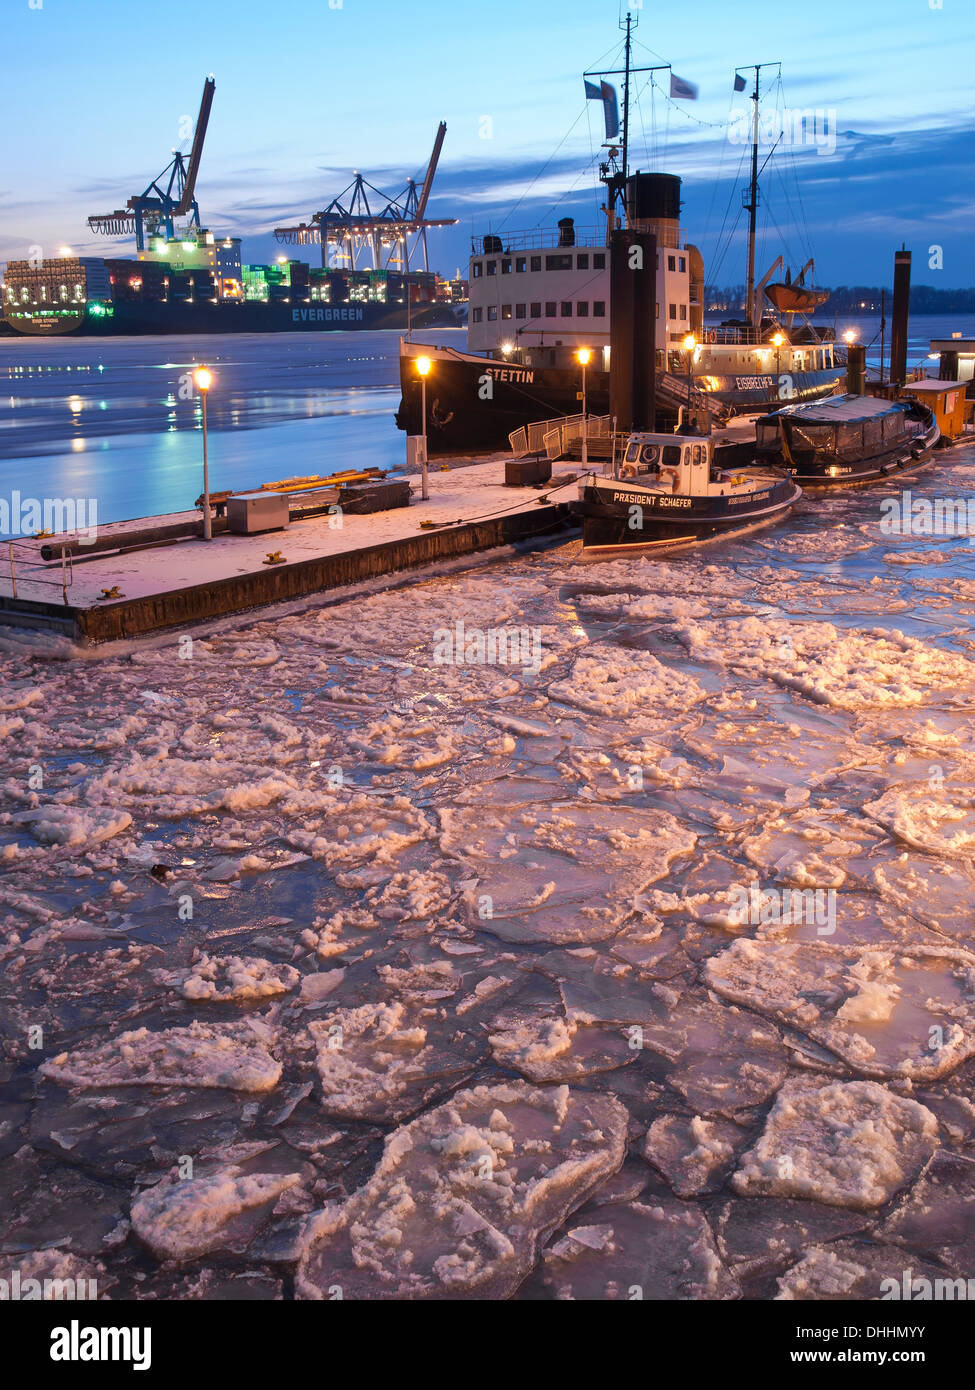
(192, 580)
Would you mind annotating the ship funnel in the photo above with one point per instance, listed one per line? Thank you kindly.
(653, 205)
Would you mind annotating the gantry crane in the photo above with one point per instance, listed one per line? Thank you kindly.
(349, 231)
(169, 198)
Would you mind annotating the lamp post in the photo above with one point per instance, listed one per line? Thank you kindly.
(423, 369)
(777, 341)
(689, 344)
(582, 357)
(204, 380)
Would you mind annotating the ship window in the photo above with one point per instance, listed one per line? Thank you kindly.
(492, 267)
(476, 269)
(536, 262)
(673, 311)
(478, 315)
(582, 262)
(632, 453)
(567, 308)
(550, 308)
(683, 311)
(506, 311)
(671, 262)
(682, 263)
(670, 455)
(599, 309)
(519, 311)
(599, 261)
(649, 453)
(767, 435)
(521, 264)
(582, 309)
(558, 262)
(536, 309)
(506, 266)
(492, 313)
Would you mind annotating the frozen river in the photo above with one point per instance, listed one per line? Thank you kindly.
(642, 967)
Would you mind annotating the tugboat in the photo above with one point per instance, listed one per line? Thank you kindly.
(847, 440)
(670, 491)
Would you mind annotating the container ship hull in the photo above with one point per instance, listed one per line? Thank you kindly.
(124, 319)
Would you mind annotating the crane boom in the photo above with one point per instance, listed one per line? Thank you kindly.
(421, 206)
(196, 153)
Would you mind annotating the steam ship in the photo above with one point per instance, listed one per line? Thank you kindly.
(537, 298)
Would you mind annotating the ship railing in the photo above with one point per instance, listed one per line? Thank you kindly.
(542, 239)
(24, 563)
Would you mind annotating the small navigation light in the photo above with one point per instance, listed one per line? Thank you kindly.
(423, 365)
(690, 342)
(850, 336)
(203, 378)
(777, 340)
(507, 349)
(583, 356)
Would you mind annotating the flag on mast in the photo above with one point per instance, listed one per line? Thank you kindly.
(739, 82)
(607, 95)
(682, 89)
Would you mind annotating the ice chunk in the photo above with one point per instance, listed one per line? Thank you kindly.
(849, 1270)
(234, 1055)
(850, 1144)
(694, 1155)
(376, 1062)
(643, 1251)
(614, 681)
(463, 1195)
(886, 1012)
(191, 1216)
(237, 979)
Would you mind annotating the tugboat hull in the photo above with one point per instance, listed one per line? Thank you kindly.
(618, 517)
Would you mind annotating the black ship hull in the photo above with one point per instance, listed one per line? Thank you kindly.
(617, 516)
(475, 403)
(136, 318)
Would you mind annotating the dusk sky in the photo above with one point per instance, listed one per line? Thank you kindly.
(95, 91)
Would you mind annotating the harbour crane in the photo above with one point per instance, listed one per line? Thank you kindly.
(169, 198)
(349, 231)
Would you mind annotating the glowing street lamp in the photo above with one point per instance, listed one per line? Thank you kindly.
(582, 357)
(423, 365)
(777, 341)
(203, 378)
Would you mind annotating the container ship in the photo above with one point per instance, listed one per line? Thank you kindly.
(538, 298)
(374, 271)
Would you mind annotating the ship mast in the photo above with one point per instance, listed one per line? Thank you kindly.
(626, 102)
(751, 196)
(752, 206)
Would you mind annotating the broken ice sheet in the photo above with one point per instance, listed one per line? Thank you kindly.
(464, 1194)
(564, 873)
(850, 1270)
(849, 1144)
(937, 1217)
(938, 822)
(235, 1055)
(546, 1047)
(941, 895)
(886, 1011)
(632, 1250)
(236, 979)
(383, 1061)
(758, 1236)
(182, 1219)
(695, 1155)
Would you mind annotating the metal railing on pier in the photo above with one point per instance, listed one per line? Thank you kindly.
(24, 562)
